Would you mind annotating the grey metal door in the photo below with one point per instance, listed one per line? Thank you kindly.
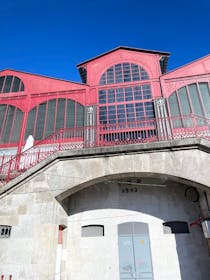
(134, 252)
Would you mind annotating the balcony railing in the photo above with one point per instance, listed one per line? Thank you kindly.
(5, 277)
(145, 131)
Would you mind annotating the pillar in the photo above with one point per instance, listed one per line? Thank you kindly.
(162, 119)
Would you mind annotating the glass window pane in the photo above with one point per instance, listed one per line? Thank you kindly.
(140, 111)
(149, 110)
(17, 126)
(1, 83)
(205, 94)
(2, 113)
(30, 123)
(112, 114)
(79, 115)
(70, 114)
(126, 72)
(173, 105)
(50, 118)
(102, 96)
(103, 115)
(60, 113)
(119, 94)
(110, 76)
(137, 93)
(103, 80)
(8, 125)
(118, 73)
(135, 72)
(147, 93)
(40, 121)
(111, 96)
(121, 113)
(197, 109)
(174, 110)
(7, 86)
(16, 84)
(144, 75)
(21, 86)
(130, 112)
(128, 94)
(185, 105)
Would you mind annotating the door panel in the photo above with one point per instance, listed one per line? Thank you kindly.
(134, 252)
(127, 265)
(142, 256)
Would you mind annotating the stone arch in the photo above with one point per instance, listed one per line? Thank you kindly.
(188, 166)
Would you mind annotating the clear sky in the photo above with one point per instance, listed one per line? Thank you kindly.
(49, 37)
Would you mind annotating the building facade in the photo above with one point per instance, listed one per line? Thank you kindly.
(107, 178)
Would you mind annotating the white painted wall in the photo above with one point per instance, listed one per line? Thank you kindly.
(174, 257)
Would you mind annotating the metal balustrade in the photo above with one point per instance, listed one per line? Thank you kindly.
(6, 277)
(145, 131)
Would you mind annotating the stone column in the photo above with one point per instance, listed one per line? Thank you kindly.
(90, 126)
(162, 119)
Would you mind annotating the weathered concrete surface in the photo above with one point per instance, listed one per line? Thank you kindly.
(29, 204)
(30, 252)
(185, 159)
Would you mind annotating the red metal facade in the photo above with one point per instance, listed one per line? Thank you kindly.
(40, 99)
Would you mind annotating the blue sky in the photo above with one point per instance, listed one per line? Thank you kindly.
(49, 37)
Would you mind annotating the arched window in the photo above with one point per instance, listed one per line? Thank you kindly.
(122, 73)
(134, 251)
(10, 84)
(52, 115)
(11, 122)
(126, 112)
(191, 99)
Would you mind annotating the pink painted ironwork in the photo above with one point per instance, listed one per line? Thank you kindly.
(4, 277)
(145, 131)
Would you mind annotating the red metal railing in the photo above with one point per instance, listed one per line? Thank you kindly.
(6, 277)
(105, 135)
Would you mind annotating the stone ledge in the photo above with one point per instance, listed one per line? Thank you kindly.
(161, 146)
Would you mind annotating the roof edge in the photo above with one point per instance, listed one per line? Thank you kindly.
(44, 76)
(186, 64)
(125, 48)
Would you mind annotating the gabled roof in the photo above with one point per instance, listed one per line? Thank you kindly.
(39, 75)
(125, 48)
(179, 71)
(38, 83)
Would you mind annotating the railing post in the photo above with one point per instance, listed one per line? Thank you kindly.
(163, 125)
(60, 139)
(9, 170)
(17, 161)
(194, 124)
(90, 125)
(22, 133)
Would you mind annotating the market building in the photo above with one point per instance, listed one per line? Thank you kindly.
(107, 178)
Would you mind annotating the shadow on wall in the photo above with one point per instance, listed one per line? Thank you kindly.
(167, 203)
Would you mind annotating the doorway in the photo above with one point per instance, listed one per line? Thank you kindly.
(134, 251)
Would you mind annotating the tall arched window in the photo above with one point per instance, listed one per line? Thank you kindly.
(122, 73)
(52, 115)
(11, 121)
(190, 99)
(126, 106)
(10, 84)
